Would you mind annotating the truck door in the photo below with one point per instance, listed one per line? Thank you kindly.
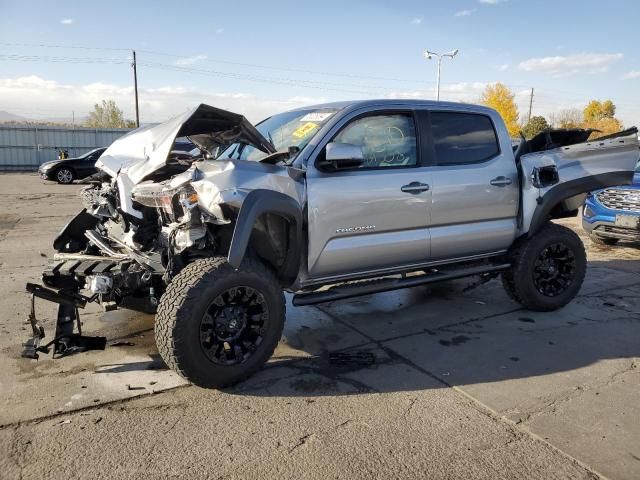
(475, 186)
(375, 216)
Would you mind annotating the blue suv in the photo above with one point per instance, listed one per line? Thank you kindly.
(613, 214)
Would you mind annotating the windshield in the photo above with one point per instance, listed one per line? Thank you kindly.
(284, 130)
(91, 152)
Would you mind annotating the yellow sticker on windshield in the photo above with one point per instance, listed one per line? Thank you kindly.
(305, 130)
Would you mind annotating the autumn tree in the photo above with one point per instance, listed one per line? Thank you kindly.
(108, 115)
(500, 98)
(534, 126)
(566, 118)
(597, 110)
(601, 116)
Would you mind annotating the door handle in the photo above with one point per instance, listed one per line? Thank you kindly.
(415, 188)
(500, 181)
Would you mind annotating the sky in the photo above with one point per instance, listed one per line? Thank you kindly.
(257, 58)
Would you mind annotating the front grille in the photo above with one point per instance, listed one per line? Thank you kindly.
(620, 199)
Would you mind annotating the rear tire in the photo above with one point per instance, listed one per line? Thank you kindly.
(598, 240)
(548, 269)
(216, 326)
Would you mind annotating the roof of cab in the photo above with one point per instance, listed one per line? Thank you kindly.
(388, 102)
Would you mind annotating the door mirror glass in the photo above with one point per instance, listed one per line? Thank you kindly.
(342, 155)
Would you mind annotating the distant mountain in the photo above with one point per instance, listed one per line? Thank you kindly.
(11, 117)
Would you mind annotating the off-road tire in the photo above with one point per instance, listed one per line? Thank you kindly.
(598, 240)
(185, 302)
(509, 286)
(65, 175)
(519, 281)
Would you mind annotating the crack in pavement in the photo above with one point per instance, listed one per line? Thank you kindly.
(481, 407)
(552, 403)
(301, 442)
(95, 406)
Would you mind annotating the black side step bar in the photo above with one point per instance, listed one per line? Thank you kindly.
(387, 284)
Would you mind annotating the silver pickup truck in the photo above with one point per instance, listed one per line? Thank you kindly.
(325, 202)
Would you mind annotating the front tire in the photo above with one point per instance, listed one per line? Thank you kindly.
(65, 176)
(598, 240)
(548, 269)
(216, 326)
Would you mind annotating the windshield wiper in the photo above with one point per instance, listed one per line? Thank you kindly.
(285, 156)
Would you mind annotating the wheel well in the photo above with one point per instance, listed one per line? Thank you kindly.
(270, 225)
(270, 239)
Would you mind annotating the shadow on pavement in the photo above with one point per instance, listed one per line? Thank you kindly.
(437, 351)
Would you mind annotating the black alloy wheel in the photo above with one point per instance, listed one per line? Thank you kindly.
(554, 269)
(234, 325)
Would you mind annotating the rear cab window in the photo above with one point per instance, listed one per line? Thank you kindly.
(463, 138)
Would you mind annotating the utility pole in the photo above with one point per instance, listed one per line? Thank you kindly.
(73, 128)
(530, 103)
(135, 86)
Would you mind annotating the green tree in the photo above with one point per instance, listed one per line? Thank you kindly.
(534, 126)
(500, 98)
(108, 115)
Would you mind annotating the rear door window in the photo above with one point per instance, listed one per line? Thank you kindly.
(463, 138)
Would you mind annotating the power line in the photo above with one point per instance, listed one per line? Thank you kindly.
(48, 45)
(228, 62)
(49, 59)
(274, 80)
(290, 69)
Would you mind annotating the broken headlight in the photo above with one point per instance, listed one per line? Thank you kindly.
(173, 201)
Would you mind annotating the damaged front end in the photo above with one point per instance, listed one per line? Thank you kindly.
(148, 220)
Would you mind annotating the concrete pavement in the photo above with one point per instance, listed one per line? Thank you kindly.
(429, 382)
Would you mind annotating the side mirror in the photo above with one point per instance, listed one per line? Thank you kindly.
(342, 155)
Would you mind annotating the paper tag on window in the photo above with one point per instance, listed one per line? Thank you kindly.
(316, 117)
(305, 130)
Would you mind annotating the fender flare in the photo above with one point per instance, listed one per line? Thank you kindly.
(257, 203)
(570, 189)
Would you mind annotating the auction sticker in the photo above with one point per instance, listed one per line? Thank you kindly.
(316, 117)
(305, 130)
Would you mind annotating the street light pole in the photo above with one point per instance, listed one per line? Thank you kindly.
(429, 55)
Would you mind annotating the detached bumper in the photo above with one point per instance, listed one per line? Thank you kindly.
(65, 341)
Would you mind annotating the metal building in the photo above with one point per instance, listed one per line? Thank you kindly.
(26, 147)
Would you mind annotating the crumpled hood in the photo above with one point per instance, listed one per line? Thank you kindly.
(146, 149)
